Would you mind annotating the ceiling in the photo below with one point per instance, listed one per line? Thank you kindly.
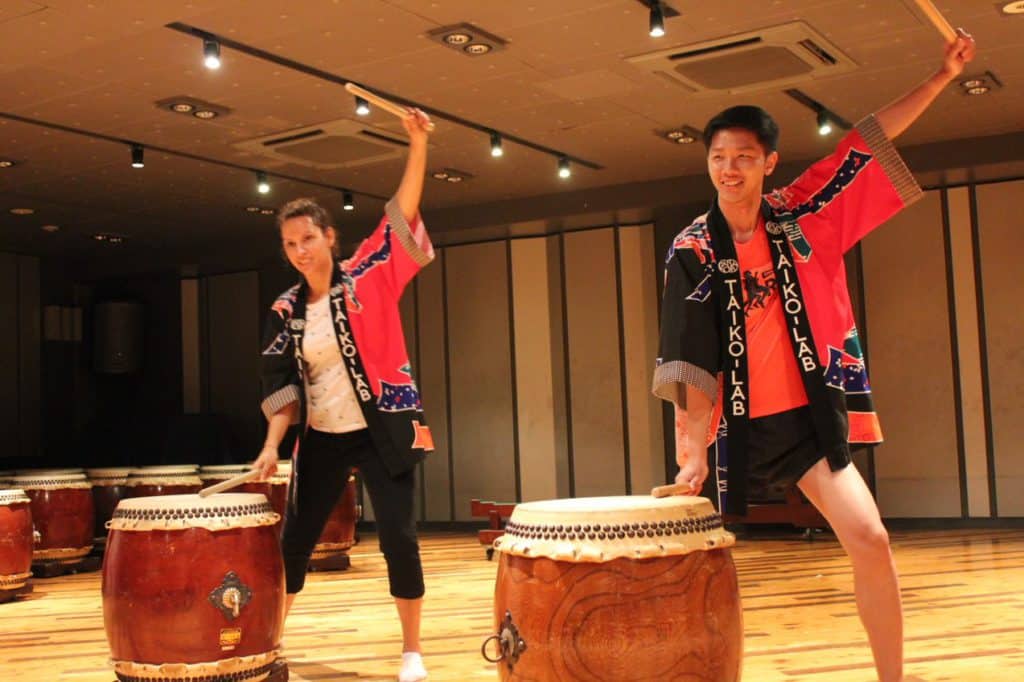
(81, 79)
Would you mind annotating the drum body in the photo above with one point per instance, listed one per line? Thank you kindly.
(209, 475)
(15, 542)
(177, 479)
(339, 533)
(62, 513)
(193, 588)
(616, 589)
(109, 486)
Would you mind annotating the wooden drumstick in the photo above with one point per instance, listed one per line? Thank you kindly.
(670, 489)
(230, 483)
(385, 104)
(945, 28)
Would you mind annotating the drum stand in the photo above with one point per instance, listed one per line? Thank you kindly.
(278, 673)
(53, 568)
(335, 562)
(10, 595)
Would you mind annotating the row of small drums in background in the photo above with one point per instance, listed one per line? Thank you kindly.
(57, 515)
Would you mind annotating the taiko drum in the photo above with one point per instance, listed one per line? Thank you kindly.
(62, 513)
(15, 542)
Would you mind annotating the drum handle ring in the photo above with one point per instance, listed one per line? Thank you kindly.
(483, 649)
(510, 644)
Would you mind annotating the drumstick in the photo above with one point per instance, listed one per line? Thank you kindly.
(936, 18)
(670, 489)
(385, 104)
(230, 483)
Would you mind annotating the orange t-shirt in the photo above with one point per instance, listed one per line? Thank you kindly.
(774, 378)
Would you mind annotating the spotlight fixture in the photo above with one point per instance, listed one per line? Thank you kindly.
(657, 20)
(1015, 7)
(7, 163)
(439, 175)
(458, 38)
(182, 108)
(468, 39)
(348, 203)
(362, 106)
(138, 153)
(211, 54)
(980, 84)
(267, 211)
(824, 123)
(205, 114)
(452, 175)
(496, 149)
(681, 135)
(477, 48)
(108, 238)
(262, 186)
(50, 228)
(252, 209)
(563, 167)
(22, 211)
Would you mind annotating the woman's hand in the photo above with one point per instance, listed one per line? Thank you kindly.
(266, 463)
(417, 125)
(694, 467)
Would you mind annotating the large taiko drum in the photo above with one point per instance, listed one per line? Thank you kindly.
(109, 486)
(62, 513)
(616, 589)
(193, 588)
(15, 542)
(279, 486)
(175, 479)
(216, 473)
(339, 533)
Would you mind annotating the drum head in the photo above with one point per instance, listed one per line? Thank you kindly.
(171, 512)
(48, 479)
(13, 496)
(606, 528)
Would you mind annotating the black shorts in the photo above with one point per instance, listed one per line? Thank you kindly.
(782, 448)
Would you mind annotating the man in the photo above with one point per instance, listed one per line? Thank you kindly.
(759, 350)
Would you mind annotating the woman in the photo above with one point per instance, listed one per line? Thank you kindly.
(334, 361)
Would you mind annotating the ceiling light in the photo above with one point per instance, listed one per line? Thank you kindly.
(978, 90)
(972, 83)
(1016, 7)
(824, 123)
(262, 186)
(211, 53)
(458, 38)
(362, 106)
(439, 175)
(496, 149)
(205, 114)
(267, 211)
(684, 135)
(23, 211)
(138, 154)
(455, 178)
(563, 167)
(348, 203)
(6, 163)
(252, 209)
(50, 228)
(182, 107)
(100, 237)
(477, 48)
(657, 22)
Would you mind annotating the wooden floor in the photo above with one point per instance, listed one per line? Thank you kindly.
(962, 594)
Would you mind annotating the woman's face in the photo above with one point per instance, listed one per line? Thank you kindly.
(307, 246)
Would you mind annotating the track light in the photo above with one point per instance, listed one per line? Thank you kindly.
(825, 126)
(211, 53)
(349, 203)
(362, 106)
(496, 149)
(563, 167)
(262, 186)
(137, 156)
(657, 19)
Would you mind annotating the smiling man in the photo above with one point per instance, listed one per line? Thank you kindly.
(759, 349)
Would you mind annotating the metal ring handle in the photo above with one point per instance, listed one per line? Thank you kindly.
(501, 652)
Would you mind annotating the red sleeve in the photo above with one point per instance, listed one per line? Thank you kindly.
(397, 248)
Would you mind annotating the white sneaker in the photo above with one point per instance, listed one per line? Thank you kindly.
(412, 667)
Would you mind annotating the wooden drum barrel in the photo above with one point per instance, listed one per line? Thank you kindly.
(177, 479)
(279, 486)
(216, 473)
(616, 588)
(15, 542)
(193, 588)
(109, 486)
(62, 513)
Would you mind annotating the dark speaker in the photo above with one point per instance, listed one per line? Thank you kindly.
(118, 347)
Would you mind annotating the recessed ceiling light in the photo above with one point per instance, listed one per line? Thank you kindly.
(972, 83)
(439, 175)
(477, 48)
(23, 211)
(252, 209)
(50, 228)
(182, 107)
(979, 90)
(100, 237)
(6, 163)
(454, 178)
(115, 239)
(205, 114)
(457, 38)
(1016, 7)
(267, 211)
(466, 38)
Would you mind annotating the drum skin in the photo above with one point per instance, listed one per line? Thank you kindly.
(661, 619)
(157, 480)
(157, 587)
(211, 475)
(15, 541)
